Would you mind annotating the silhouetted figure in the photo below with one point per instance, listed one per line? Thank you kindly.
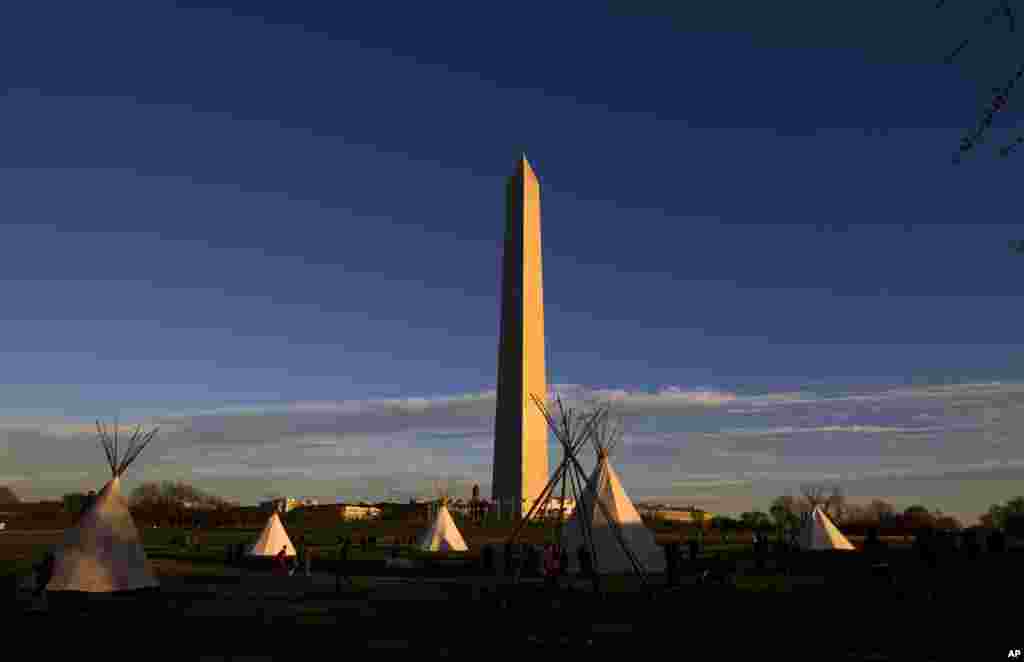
(44, 572)
(927, 544)
(972, 546)
(508, 559)
(672, 563)
(760, 550)
(533, 561)
(873, 545)
(586, 566)
(694, 549)
(551, 566)
(563, 562)
(487, 559)
(281, 568)
(341, 567)
(997, 541)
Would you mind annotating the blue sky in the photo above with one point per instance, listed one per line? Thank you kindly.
(206, 207)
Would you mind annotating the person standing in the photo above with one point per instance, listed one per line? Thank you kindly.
(584, 558)
(281, 567)
(337, 564)
(671, 559)
(507, 560)
(342, 570)
(44, 572)
(550, 566)
(487, 560)
(300, 550)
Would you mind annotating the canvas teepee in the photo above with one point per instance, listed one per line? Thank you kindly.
(442, 535)
(818, 533)
(103, 553)
(272, 539)
(613, 521)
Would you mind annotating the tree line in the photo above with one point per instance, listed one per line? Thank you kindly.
(179, 504)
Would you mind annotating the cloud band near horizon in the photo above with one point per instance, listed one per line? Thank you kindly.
(696, 446)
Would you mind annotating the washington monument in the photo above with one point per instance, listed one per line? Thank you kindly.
(521, 432)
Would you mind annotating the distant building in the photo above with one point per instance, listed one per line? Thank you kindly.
(358, 511)
(666, 513)
(43, 514)
(287, 504)
(555, 507)
(197, 505)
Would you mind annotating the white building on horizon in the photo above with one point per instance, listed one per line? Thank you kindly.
(287, 504)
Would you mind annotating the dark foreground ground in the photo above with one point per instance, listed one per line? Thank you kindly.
(960, 611)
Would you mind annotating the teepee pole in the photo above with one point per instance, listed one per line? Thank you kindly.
(618, 533)
(545, 493)
(604, 439)
(571, 444)
(561, 517)
(580, 495)
(580, 482)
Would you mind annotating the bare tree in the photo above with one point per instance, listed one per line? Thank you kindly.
(855, 512)
(835, 505)
(786, 504)
(7, 495)
(174, 493)
(830, 499)
(1001, 14)
(814, 495)
(880, 510)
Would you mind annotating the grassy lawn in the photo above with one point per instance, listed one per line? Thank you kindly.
(763, 583)
(19, 567)
(19, 551)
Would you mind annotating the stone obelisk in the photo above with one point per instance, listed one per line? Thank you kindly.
(521, 432)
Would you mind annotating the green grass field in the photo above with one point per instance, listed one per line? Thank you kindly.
(166, 546)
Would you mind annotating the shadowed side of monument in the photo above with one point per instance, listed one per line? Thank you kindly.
(521, 435)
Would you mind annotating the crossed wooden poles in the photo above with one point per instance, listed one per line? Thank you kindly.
(572, 434)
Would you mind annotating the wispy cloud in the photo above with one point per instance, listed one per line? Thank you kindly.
(684, 442)
(852, 429)
(706, 484)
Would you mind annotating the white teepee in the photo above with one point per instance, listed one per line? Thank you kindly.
(442, 535)
(604, 486)
(272, 539)
(818, 532)
(103, 553)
